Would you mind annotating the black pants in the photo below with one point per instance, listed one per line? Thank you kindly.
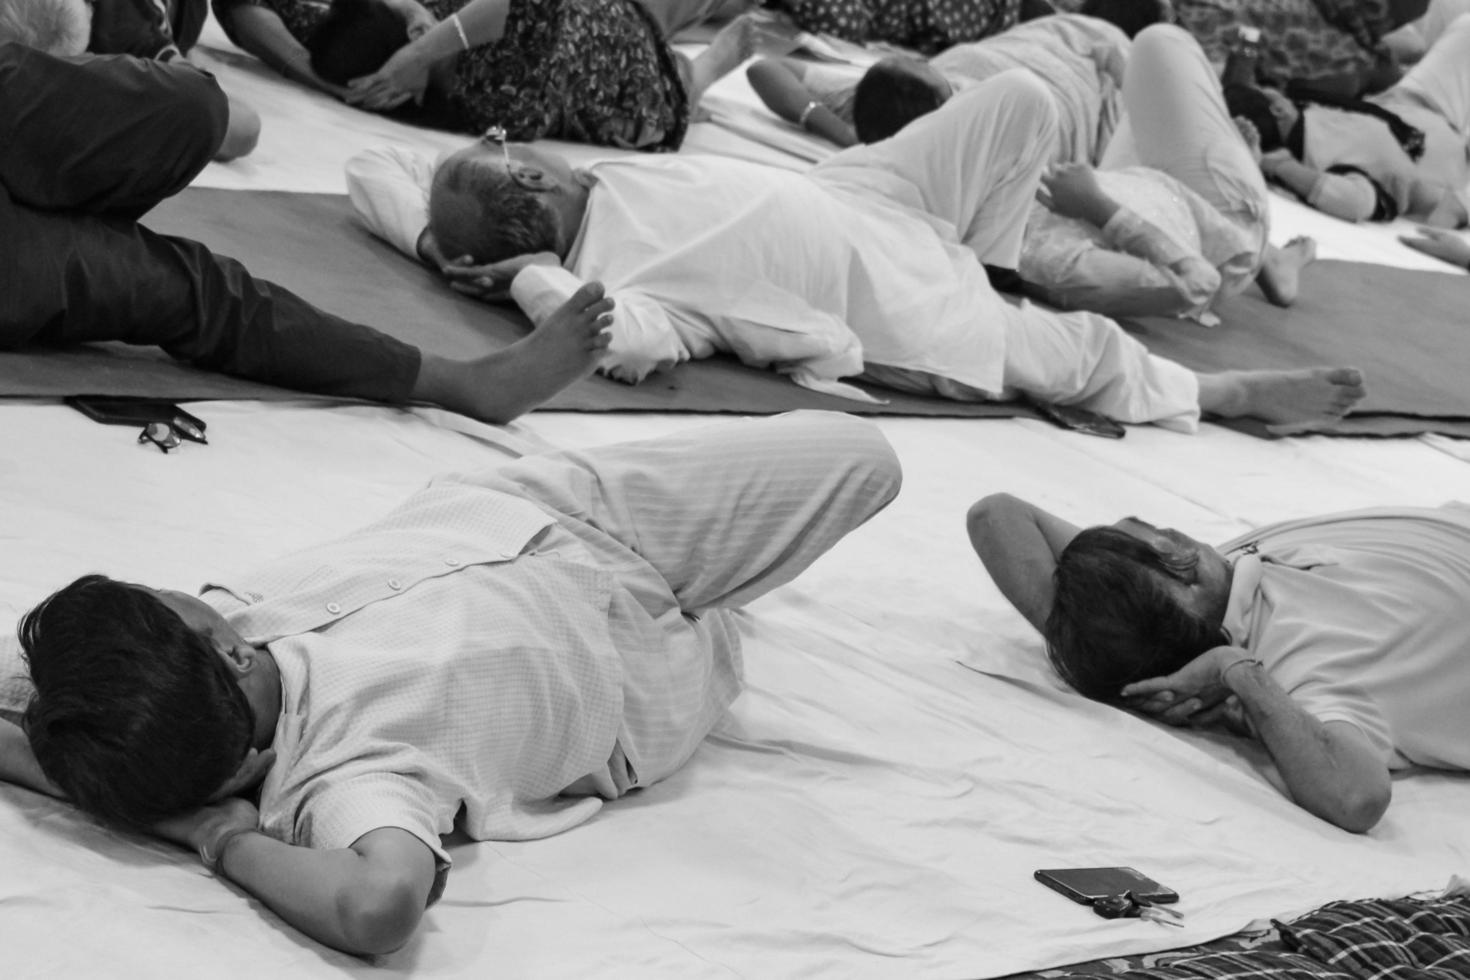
(90, 144)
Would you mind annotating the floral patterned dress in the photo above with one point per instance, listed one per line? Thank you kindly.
(1303, 39)
(928, 26)
(588, 71)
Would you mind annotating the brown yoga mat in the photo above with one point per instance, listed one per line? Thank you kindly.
(1406, 329)
(314, 245)
(1409, 331)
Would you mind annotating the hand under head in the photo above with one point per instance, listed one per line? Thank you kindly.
(143, 703)
(495, 200)
(1132, 601)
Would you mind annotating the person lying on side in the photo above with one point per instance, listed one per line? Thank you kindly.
(1080, 59)
(89, 144)
(871, 262)
(1174, 216)
(1403, 152)
(500, 654)
(1336, 642)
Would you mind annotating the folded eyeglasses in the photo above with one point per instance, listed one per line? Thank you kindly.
(168, 436)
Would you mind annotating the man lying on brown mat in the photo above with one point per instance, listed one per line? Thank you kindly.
(871, 262)
(1337, 642)
(88, 144)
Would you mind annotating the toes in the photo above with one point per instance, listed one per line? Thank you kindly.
(589, 294)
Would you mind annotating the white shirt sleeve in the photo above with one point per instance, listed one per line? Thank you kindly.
(644, 335)
(389, 187)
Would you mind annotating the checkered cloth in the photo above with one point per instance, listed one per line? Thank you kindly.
(1403, 939)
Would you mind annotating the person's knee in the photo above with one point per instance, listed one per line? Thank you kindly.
(1158, 38)
(197, 107)
(242, 133)
(862, 445)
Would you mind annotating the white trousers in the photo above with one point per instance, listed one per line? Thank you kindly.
(975, 165)
(1176, 121)
(689, 526)
(1441, 79)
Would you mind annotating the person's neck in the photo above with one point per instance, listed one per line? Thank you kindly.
(265, 699)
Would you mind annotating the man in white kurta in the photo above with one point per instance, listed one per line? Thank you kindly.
(870, 260)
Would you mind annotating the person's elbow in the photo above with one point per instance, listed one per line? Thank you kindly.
(380, 917)
(989, 513)
(996, 506)
(1358, 808)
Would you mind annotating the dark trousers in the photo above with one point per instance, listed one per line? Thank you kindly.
(90, 144)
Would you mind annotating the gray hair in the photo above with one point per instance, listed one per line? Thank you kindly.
(476, 211)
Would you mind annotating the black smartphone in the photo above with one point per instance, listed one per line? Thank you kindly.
(1080, 420)
(1086, 885)
(122, 410)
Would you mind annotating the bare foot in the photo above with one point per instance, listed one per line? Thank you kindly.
(1281, 269)
(498, 387)
(731, 47)
(1309, 395)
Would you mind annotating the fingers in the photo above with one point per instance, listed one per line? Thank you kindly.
(1152, 685)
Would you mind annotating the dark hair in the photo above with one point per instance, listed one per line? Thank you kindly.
(1130, 16)
(1113, 618)
(134, 716)
(480, 212)
(1249, 102)
(354, 39)
(888, 97)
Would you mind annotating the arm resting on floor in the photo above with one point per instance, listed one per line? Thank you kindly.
(363, 899)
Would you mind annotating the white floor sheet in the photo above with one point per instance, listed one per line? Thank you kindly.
(876, 801)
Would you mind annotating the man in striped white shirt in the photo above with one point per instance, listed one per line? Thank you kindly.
(501, 653)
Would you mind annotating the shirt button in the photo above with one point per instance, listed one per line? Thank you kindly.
(452, 562)
(333, 608)
(394, 584)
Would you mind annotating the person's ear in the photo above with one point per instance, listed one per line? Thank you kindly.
(252, 770)
(534, 179)
(240, 656)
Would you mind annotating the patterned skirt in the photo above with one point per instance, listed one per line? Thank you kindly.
(587, 71)
(1303, 39)
(927, 26)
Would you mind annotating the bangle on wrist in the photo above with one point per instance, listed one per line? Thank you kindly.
(1236, 663)
(463, 38)
(806, 113)
(214, 862)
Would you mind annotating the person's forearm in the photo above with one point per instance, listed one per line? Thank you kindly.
(328, 894)
(1329, 770)
(788, 96)
(1018, 543)
(477, 22)
(262, 33)
(18, 763)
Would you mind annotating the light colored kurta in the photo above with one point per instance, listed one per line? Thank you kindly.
(511, 646)
(880, 243)
(1361, 617)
